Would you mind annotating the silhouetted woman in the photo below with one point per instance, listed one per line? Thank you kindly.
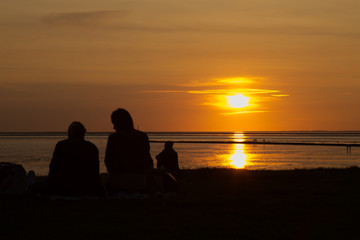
(127, 153)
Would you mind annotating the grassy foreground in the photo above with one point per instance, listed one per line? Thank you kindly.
(211, 204)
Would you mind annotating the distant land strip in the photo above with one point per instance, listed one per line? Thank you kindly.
(264, 143)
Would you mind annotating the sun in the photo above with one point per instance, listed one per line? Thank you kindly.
(238, 101)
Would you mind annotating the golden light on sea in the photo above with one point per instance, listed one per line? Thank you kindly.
(238, 157)
(239, 137)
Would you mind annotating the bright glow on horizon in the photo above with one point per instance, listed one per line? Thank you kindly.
(239, 137)
(238, 101)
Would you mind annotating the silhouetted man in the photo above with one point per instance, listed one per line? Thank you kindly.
(74, 168)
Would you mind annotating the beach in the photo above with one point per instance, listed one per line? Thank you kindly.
(255, 103)
(210, 204)
(231, 186)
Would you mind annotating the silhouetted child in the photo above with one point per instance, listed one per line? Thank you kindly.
(168, 159)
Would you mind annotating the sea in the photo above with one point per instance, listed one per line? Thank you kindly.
(241, 150)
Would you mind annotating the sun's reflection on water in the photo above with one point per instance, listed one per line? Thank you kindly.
(238, 157)
(235, 154)
(239, 137)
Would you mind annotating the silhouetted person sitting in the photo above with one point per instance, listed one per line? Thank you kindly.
(168, 159)
(127, 157)
(74, 168)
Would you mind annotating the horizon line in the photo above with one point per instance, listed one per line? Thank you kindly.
(164, 132)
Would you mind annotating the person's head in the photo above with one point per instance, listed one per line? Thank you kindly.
(76, 130)
(122, 120)
(168, 145)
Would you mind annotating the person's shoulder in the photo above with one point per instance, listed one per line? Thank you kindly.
(62, 142)
(91, 147)
(140, 133)
(90, 144)
(112, 136)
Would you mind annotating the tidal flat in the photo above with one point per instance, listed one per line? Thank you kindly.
(210, 204)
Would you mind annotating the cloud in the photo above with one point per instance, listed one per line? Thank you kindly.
(84, 18)
(164, 91)
(275, 29)
(236, 90)
(111, 17)
(221, 82)
(243, 112)
(280, 95)
(217, 91)
(223, 86)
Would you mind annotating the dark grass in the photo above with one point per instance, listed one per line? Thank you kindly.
(211, 204)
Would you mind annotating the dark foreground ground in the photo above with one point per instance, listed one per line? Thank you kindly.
(211, 204)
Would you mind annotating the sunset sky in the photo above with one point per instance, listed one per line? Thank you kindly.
(180, 65)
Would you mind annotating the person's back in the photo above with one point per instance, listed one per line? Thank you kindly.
(128, 152)
(127, 157)
(168, 158)
(74, 168)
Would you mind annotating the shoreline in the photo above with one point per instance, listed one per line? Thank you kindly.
(210, 204)
(220, 169)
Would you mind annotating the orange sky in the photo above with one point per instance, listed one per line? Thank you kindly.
(173, 65)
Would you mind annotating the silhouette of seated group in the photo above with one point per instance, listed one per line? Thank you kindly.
(74, 168)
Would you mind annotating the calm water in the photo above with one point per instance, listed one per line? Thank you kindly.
(34, 150)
